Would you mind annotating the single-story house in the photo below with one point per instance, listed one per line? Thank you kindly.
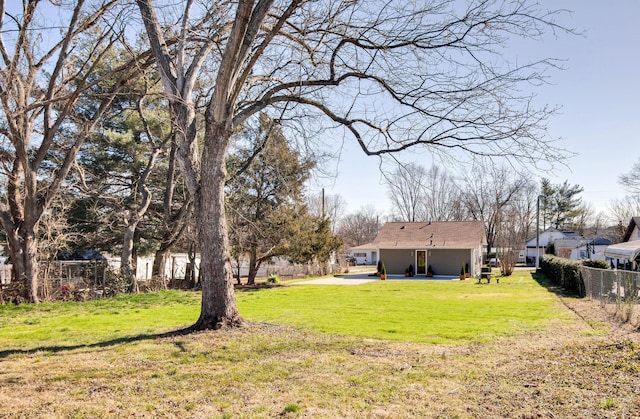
(445, 246)
(633, 231)
(499, 251)
(550, 235)
(626, 255)
(365, 254)
(578, 248)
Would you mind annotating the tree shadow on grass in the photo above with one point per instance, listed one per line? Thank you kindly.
(551, 286)
(112, 342)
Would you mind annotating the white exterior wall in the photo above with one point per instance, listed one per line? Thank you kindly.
(476, 265)
(635, 234)
(581, 252)
(365, 256)
(546, 237)
(175, 266)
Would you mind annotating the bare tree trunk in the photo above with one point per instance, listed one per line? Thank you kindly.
(31, 266)
(218, 297)
(159, 263)
(171, 231)
(238, 261)
(126, 264)
(253, 267)
(175, 227)
(22, 245)
(23, 254)
(190, 270)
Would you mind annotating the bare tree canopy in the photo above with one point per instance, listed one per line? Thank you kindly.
(360, 227)
(393, 75)
(52, 58)
(488, 193)
(399, 75)
(418, 194)
(407, 191)
(631, 179)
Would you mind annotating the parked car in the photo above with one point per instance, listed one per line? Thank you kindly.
(494, 262)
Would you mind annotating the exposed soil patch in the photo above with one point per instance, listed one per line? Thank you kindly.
(588, 367)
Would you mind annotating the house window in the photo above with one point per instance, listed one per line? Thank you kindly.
(359, 255)
(583, 254)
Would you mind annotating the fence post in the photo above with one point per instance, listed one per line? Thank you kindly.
(95, 274)
(602, 303)
(618, 292)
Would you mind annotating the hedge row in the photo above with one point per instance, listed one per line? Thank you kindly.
(594, 263)
(566, 272)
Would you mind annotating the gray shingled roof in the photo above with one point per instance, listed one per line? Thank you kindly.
(442, 234)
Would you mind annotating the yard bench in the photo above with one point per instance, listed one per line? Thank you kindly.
(485, 273)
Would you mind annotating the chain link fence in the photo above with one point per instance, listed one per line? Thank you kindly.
(616, 290)
(78, 280)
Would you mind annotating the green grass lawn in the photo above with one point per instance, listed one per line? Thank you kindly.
(68, 323)
(379, 350)
(414, 311)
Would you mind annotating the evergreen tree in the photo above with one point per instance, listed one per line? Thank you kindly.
(561, 204)
(268, 217)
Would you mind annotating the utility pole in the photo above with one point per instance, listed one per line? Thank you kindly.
(538, 233)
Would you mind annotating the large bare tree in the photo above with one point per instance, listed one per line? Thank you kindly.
(359, 227)
(621, 211)
(392, 75)
(49, 63)
(331, 206)
(488, 192)
(407, 191)
(631, 179)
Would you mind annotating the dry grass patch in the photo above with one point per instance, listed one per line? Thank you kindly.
(582, 364)
(274, 371)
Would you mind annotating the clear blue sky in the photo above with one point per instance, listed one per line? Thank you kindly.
(599, 96)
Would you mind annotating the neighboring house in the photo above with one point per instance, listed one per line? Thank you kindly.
(578, 248)
(365, 254)
(633, 231)
(626, 255)
(499, 251)
(550, 235)
(445, 246)
(175, 266)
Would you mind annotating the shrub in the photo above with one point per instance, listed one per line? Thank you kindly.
(594, 263)
(383, 270)
(409, 272)
(564, 272)
(273, 279)
(291, 408)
